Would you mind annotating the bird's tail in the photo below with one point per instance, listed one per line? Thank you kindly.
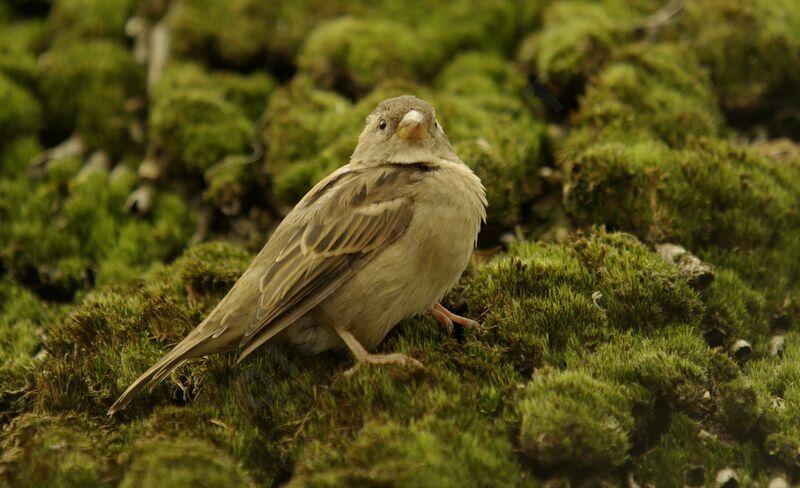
(191, 347)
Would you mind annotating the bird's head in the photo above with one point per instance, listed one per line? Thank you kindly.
(402, 130)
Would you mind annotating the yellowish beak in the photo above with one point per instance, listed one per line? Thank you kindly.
(412, 127)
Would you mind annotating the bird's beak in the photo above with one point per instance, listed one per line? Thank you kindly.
(412, 127)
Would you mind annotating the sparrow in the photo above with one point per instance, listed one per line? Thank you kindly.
(381, 239)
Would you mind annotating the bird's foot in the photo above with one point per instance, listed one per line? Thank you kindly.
(364, 357)
(396, 358)
(446, 318)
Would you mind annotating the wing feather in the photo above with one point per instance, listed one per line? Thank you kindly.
(359, 214)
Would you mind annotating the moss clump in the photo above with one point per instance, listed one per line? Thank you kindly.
(20, 43)
(22, 316)
(89, 19)
(194, 123)
(687, 452)
(264, 30)
(713, 192)
(20, 112)
(727, 202)
(664, 173)
(773, 394)
(182, 463)
(96, 240)
(735, 311)
(84, 87)
(576, 39)
(429, 452)
(211, 269)
(750, 47)
(674, 371)
(649, 92)
(52, 451)
(571, 421)
(249, 93)
(112, 329)
(549, 299)
(354, 55)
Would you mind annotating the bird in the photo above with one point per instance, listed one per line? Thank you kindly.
(380, 239)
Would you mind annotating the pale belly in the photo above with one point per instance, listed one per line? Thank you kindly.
(405, 279)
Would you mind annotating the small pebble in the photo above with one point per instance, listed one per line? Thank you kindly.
(777, 345)
(741, 350)
(727, 478)
(778, 482)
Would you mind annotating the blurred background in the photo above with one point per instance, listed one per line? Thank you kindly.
(149, 147)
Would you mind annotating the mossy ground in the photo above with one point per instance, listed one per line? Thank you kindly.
(598, 363)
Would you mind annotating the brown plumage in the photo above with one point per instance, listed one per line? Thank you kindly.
(380, 239)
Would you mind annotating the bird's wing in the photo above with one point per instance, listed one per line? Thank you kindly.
(341, 224)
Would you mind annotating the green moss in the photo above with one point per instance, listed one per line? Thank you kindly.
(84, 86)
(597, 358)
(21, 318)
(97, 241)
(488, 79)
(20, 113)
(773, 387)
(672, 372)
(230, 183)
(89, 19)
(113, 328)
(183, 463)
(249, 93)
(273, 30)
(547, 299)
(571, 421)
(750, 47)
(429, 452)
(736, 311)
(576, 39)
(354, 55)
(649, 91)
(732, 206)
(194, 123)
(14, 157)
(211, 269)
(686, 446)
(52, 451)
(20, 43)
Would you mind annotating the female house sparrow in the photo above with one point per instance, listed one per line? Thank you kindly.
(381, 239)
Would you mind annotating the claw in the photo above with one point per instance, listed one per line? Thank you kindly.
(398, 359)
(446, 318)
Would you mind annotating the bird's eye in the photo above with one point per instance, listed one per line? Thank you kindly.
(382, 124)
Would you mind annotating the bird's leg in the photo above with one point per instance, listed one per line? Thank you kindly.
(364, 357)
(446, 318)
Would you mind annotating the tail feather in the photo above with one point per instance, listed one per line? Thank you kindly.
(186, 349)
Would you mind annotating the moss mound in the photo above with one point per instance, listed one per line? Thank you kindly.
(85, 85)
